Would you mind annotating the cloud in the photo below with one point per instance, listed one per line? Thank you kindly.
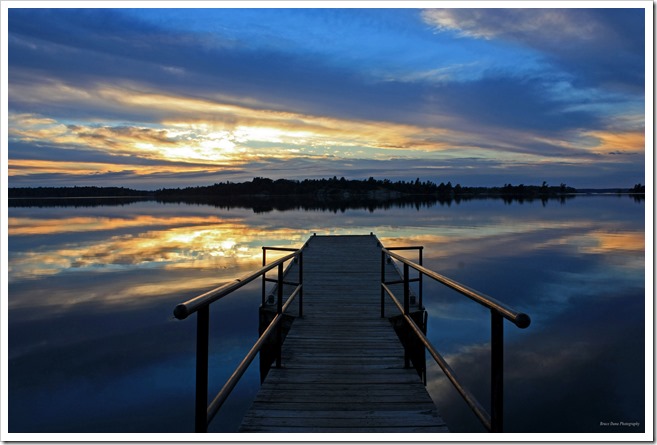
(525, 25)
(626, 142)
(119, 47)
(209, 131)
(171, 93)
(512, 102)
(582, 45)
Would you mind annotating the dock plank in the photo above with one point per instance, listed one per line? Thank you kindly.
(342, 364)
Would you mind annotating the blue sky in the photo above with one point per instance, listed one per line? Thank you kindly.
(150, 98)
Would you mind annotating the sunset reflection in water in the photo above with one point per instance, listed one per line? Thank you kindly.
(97, 285)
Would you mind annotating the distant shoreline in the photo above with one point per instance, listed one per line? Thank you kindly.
(333, 189)
(264, 195)
(151, 196)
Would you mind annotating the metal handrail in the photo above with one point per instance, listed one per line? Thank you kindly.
(230, 384)
(494, 421)
(204, 413)
(518, 318)
(184, 310)
(474, 404)
(419, 249)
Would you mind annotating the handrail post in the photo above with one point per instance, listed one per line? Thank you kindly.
(202, 342)
(301, 284)
(264, 275)
(407, 296)
(497, 371)
(407, 290)
(279, 311)
(420, 282)
(383, 280)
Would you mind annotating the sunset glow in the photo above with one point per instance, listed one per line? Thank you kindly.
(196, 96)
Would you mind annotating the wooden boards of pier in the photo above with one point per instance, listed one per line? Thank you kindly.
(342, 364)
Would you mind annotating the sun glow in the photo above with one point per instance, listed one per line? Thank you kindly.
(206, 130)
(223, 132)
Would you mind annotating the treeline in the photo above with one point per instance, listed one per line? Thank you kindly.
(638, 188)
(308, 187)
(371, 188)
(322, 189)
(75, 192)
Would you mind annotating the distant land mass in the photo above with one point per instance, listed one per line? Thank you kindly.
(309, 193)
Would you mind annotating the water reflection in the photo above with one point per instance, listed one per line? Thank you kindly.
(197, 243)
(91, 292)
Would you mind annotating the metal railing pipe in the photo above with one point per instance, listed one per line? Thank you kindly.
(184, 310)
(232, 381)
(275, 280)
(518, 318)
(472, 402)
(204, 413)
(297, 291)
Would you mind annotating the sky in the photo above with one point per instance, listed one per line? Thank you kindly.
(149, 98)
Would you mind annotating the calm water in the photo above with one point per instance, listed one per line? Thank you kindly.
(93, 345)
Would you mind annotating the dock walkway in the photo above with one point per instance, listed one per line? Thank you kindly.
(342, 364)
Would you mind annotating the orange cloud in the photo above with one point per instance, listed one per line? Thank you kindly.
(223, 131)
(622, 141)
(207, 130)
(26, 167)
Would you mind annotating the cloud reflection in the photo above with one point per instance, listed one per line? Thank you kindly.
(201, 242)
(91, 292)
(582, 369)
(20, 226)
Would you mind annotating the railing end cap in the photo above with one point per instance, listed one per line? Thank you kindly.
(180, 312)
(523, 321)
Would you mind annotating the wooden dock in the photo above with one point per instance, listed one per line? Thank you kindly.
(342, 364)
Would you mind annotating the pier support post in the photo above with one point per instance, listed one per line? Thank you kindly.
(279, 311)
(202, 340)
(383, 280)
(407, 296)
(420, 304)
(497, 371)
(301, 284)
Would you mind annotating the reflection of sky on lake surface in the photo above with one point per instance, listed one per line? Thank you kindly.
(93, 345)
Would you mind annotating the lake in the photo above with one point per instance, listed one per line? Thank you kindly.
(94, 347)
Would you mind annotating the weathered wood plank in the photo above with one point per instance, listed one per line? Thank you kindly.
(362, 414)
(350, 431)
(403, 420)
(341, 406)
(321, 389)
(342, 364)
